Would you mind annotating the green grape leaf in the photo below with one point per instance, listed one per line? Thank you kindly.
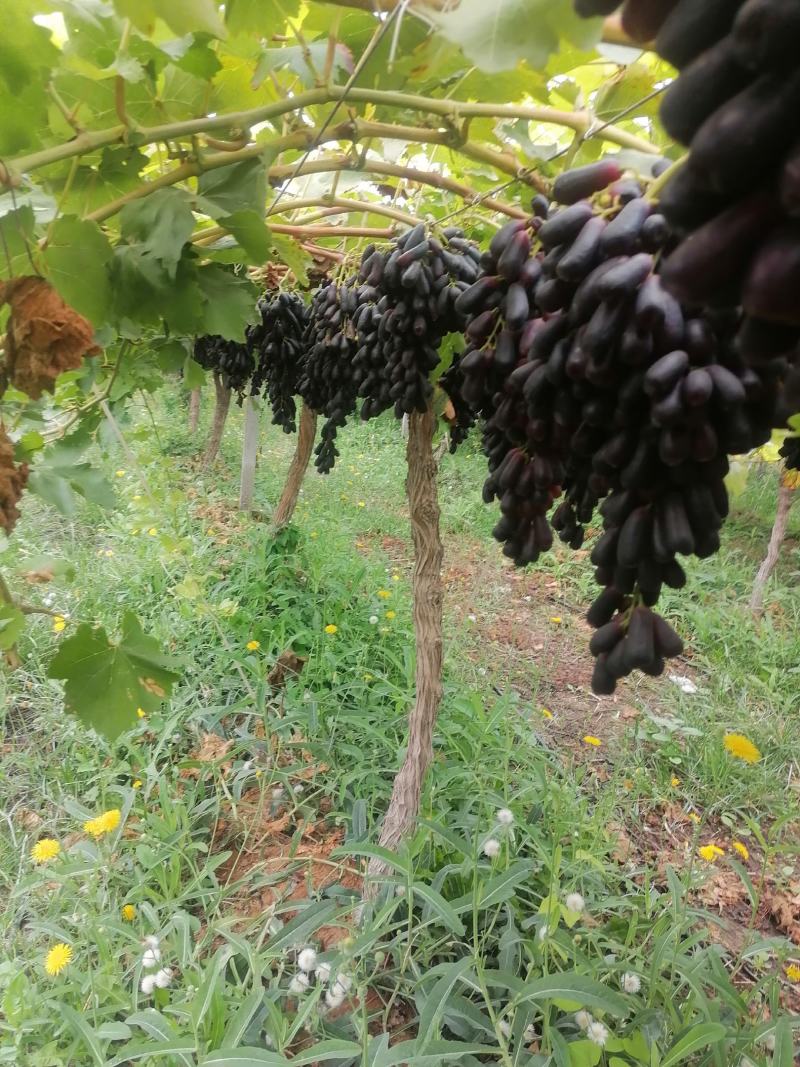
(76, 259)
(259, 16)
(226, 190)
(288, 251)
(12, 623)
(190, 16)
(16, 238)
(162, 223)
(251, 233)
(142, 13)
(193, 374)
(61, 475)
(106, 681)
(497, 36)
(230, 302)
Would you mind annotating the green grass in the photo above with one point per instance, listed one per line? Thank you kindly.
(459, 946)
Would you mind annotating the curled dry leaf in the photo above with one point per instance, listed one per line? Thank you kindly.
(13, 478)
(44, 337)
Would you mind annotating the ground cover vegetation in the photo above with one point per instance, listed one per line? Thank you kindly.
(326, 776)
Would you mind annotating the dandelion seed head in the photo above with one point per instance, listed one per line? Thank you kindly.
(583, 1019)
(491, 848)
(151, 941)
(575, 902)
(307, 960)
(147, 984)
(332, 1000)
(151, 957)
(324, 973)
(631, 982)
(163, 978)
(505, 817)
(299, 984)
(597, 1033)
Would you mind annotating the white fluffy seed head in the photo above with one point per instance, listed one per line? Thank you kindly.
(583, 1019)
(332, 1000)
(341, 985)
(505, 817)
(163, 978)
(491, 848)
(575, 902)
(597, 1033)
(277, 793)
(543, 932)
(147, 984)
(631, 982)
(299, 984)
(151, 957)
(529, 1034)
(151, 941)
(505, 1027)
(307, 960)
(373, 620)
(769, 1042)
(323, 973)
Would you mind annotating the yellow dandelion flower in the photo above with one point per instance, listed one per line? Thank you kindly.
(103, 824)
(109, 552)
(384, 594)
(742, 849)
(742, 748)
(693, 816)
(137, 497)
(331, 628)
(369, 677)
(120, 473)
(253, 646)
(47, 848)
(210, 531)
(589, 740)
(59, 624)
(141, 713)
(792, 972)
(395, 577)
(361, 504)
(314, 535)
(136, 783)
(391, 614)
(556, 620)
(57, 958)
(152, 531)
(128, 912)
(547, 713)
(710, 853)
(675, 781)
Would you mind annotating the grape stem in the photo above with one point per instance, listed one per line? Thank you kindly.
(664, 178)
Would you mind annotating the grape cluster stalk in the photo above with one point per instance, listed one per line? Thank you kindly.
(735, 204)
(276, 343)
(602, 391)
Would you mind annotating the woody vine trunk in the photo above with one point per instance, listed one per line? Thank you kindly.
(428, 596)
(306, 433)
(221, 407)
(785, 500)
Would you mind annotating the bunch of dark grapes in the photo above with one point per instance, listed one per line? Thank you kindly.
(408, 295)
(596, 384)
(276, 342)
(735, 204)
(790, 453)
(326, 382)
(233, 361)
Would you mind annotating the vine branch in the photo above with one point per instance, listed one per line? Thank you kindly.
(453, 110)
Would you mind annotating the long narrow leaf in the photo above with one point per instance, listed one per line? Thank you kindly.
(699, 1036)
